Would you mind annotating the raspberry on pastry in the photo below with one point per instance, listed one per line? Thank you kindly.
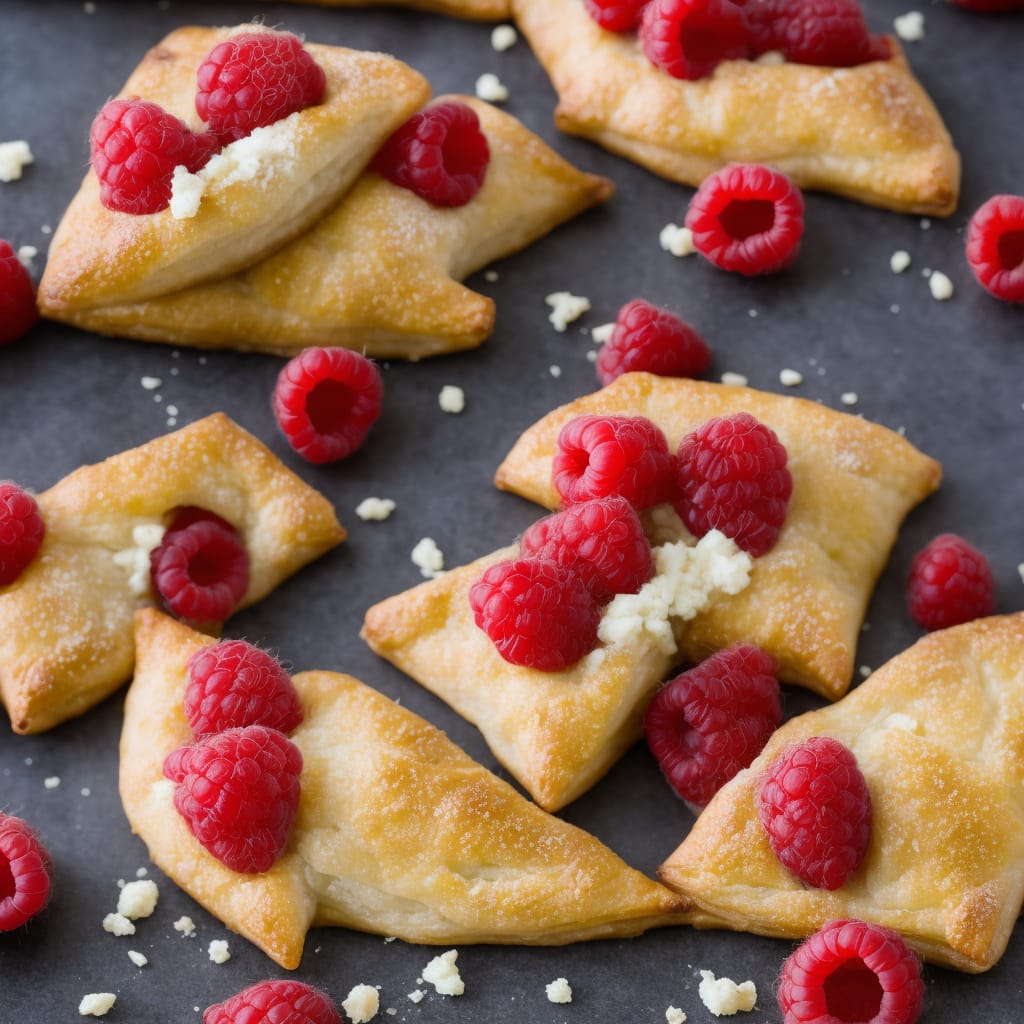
(24, 873)
(827, 33)
(615, 15)
(690, 38)
(275, 1002)
(21, 531)
(18, 312)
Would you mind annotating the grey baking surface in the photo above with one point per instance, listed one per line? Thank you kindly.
(949, 373)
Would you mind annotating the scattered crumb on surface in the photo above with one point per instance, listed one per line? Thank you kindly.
(723, 997)
(677, 240)
(503, 37)
(362, 1003)
(489, 87)
(565, 308)
(736, 380)
(443, 973)
(218, 951)
(96, 1004)
(848, 398)
(791, 378)
(375, 509)
(940, 286)
(910, 26)
(452, 399)
(427, 556)
(558, 991)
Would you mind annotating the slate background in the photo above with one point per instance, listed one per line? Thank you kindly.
(949, 373)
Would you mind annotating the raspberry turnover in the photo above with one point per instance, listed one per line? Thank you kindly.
(24, 873)
(950, 582)
(852, 971)
(21, 531)
(18, 312)
(275, 1002)
(747, 218)
(995, 247)
(690, 38)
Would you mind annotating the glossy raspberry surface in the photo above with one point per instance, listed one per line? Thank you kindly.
(815, 806)
(275, 1002)
(21, 531)
(690, 38)
(238, 791)
(950, 582)
(18, 313)
(615, 15)
(995, 247)
(828, 33)
(24, 873)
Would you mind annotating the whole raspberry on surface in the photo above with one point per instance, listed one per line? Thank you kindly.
(950, 582)
(254, 79)
(829, 33)
(538, 613)
(731, 476)
(600, 456)
(747, 218)
(852, 971)
(690, 38)
(275, 1002)
(135, 146)
(995, 247)
(21, 531)
(232, 684)
(238, 790)
(615, 15)
(603, 540)
(24, 873)
(653, 340)
(326, 400)
(18, 312)
(815, 807)
(441, 154)
(712, 721)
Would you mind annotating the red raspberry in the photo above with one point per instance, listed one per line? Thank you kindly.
(995, 247)
(950, 582)
(709, 723)
(254, 79)
(603, 540)
(326, 400)
(747, 218)
(615, 15)
(816, 809)
(654, 340)
(731, 476)
(538, 613)
(21, 531)
(440, 153)
(135, 147)
(18, 312)
(233, 684)
(24, 873)
(275, 1002)
(852, 971)
(238, 791)
(599, 456)
(201, 571)
(690, 38)
(829, 33)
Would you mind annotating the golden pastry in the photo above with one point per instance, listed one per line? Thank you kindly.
(66, 622)
(869, 132)
(398, 831)
(481, 10)
(937, 734)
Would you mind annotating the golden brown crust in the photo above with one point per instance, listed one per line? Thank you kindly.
(869, 132)
(398, 831)
(66, 622)
(937, 733)
(379, 273)
(477, 10)
(99, 256)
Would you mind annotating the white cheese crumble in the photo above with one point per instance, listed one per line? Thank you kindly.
(602, 334)
(416, 995)
(428, 557)
(1020, 571)
(503, 37)
(899, 261)
(555, 371)
(118, 924)
(772, 57)
(940, 286)
(565, 307)
(735, 380)
(96, 1004)
(452, 399)
(723, 997)
(673, 1015)
(443, 974)
(375, 509)
(137, 958)
(26, 254)
(491, 276)
(218, 951)
(138, 899)
(52, 782)
(848, 398)
(186, 926)
(14, 158)
(558, 991)
(150, 383)
(490, 88)
(677, 240)
(135, 559)
(362, 1003)
(791, 378)
(910, 26)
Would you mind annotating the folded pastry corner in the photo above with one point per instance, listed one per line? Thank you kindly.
(398, 831)
(937, 734)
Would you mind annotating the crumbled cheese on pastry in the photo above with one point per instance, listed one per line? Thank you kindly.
(565, 307)
(186, 926)
(452, 399)
(559, 991)
(14, 157)
(910, 26)
(137, 958)
(503, 37)
(673, 1015)
(427, 555)
(848, 398)
(118, 924)
(375, 509)
(218, 951)
(416, 995)
(899, 261)
(736, 380)
(186, 193)
(791, 378)
(443, 974)
(489, 87)
(96, 1004)
(52, 782)
(723, 997)
(362, 1003)
(26, 254)
(138, 899)
(677, 240)
(135, 559)
(771, 57)
(940, 286)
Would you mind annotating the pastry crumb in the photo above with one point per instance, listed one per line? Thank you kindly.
(14, 158)
(490, 88)
(565, 308)
(504, 37)
(362, 1003)
(428, 557)
(137, 958)
(677, 240)
(602, 334)
(791, 378)
(52, 782)
(673, 1015)
(723, 997)
(218, 951)
(186, 926)
(452, 399)
(491, 276)
(138, 899)
(849, 398)
(150, 383)
(1020, 571)
(940, 286)
(26, 254)
(375, 509)
(899, 261)
(118, 924)
(736, 380)
(558, 991)
(416, 995)
(910, 26)
(865, 671)
(443, 974)
(555, 371)
(925, 223)
(96, 1004)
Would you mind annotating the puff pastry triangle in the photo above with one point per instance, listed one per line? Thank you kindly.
(869, 132)
(937, 733)
(99, 256)
(66, 622)
(379, 273)
(398, 831)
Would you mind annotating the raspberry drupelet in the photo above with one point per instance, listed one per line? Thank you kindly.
(25, 867)
(690, 38)
(828, 33)
(615, 15)
(950, 582)
(275, 1002)
(21, 531)
(995, 247)
(18, 313)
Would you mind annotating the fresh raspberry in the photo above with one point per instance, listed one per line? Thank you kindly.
(24, 873)
(440, 153)
(816, 809)
(135, 147)
(950, 582)
(201, 571)
(538, 613)
(709, 723)
(654, 340)
(615, 15)
(690, 38)
(326, 400)
(238, 790)
(275, 1002)
(603, 540)
(747, 218)
(829, 33)
(18, 312)
(852, 971)
(233, 684)
(731, 476)
(21, 531)
(254, 79)
(995, 247)
(599, 456)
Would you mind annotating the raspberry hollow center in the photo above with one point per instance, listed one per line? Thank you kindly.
(1010, 248)
(702, 45)
(8, 886)
(329, 405)
(742, 218)
(853, 992)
